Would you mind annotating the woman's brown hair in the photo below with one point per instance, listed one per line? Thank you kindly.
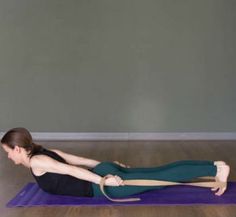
(20, 137)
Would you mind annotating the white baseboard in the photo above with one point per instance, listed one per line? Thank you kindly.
(132, 136)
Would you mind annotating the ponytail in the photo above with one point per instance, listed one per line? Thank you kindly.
(34, 148)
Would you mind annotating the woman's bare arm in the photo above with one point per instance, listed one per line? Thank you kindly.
(76, 160)
(47, 164)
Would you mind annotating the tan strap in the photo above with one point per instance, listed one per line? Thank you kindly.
(144, 182)
(109, 198)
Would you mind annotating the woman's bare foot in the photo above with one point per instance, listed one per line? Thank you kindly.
(217, 163)
(221, 176)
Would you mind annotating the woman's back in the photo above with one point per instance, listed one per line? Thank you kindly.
(59, 183)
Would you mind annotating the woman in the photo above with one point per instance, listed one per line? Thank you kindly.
(61, 173)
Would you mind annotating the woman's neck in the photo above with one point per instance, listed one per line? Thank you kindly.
(26, 161)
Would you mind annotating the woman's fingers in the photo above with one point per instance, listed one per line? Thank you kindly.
(119, 180)
(122, 165)
(125, 166)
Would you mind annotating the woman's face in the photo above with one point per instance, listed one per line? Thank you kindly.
(13, 154)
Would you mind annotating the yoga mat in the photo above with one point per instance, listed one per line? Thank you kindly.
(32, 195)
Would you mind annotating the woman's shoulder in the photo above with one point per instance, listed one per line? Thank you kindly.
(39, 160)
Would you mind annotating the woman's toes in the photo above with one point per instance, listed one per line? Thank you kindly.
(214, 189)
(221, 191)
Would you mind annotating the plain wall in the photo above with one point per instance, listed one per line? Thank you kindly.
(118, 66)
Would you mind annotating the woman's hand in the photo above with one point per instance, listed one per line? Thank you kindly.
(120, 164)
(114, 181)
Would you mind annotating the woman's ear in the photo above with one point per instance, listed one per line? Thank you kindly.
(17, 148)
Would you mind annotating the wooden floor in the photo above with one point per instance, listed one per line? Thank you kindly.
(133, 153)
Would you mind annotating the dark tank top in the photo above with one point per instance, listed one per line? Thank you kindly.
(59, 183)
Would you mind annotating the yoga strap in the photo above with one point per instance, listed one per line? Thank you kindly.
(144, 182)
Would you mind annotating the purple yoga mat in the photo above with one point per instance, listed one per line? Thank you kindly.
(32, 195)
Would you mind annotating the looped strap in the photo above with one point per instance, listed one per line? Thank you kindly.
(114, 200)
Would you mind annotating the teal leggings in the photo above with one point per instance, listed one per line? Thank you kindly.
(184, 170)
